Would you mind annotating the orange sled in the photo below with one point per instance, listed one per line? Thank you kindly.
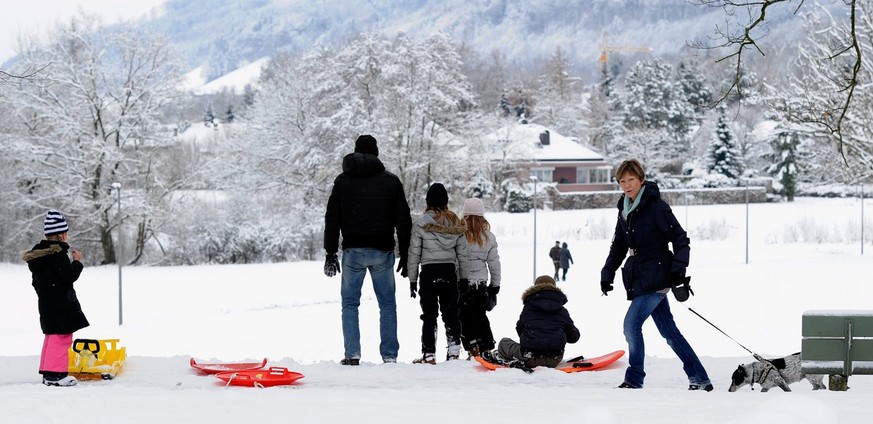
(274, 376)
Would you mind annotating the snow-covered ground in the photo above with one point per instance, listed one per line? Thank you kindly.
(801, 256)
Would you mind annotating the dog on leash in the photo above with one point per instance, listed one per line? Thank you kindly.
(773, 373)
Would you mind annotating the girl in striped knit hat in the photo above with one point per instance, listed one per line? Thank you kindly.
(60, 313)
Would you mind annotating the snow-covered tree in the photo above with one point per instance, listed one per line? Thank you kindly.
(693, 85)
(654, 106)
(208, 116)
(561, 104)
(724, 156)
(816, 95)
(90, 120)
(786, 158)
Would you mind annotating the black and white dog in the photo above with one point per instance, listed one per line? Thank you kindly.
(773, 373)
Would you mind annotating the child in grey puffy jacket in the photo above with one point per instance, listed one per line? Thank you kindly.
(439, 247)
(477, 294)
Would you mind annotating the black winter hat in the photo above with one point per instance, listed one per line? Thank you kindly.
(366, 144)
(437, 196)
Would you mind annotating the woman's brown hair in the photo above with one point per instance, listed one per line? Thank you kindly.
(630, 166)
(477, 229)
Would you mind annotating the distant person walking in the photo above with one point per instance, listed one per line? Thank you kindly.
(60, 314)
(438, 245)
(555, 254)
(367, 205)
(645, 227)
(566, 260)
(477, 295)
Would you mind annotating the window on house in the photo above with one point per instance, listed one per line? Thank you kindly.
(600, 175)
(544, 175)
(592, 175)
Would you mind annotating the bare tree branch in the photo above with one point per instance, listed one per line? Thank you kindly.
(748, 36)
(29, 73)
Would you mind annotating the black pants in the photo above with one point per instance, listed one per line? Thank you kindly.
(564, 277)
(557, 268)
(475, 327)
(438, 293)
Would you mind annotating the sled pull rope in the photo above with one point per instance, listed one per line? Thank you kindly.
(232, 376)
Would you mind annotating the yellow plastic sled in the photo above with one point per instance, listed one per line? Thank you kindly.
(96, 358)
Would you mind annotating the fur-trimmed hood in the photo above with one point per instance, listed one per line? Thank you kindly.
(43, 249)
(443, 226)
(545, 296)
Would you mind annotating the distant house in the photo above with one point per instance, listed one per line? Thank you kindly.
(553, 158)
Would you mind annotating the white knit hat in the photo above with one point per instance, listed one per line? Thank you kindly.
(54, 223)
(474, 206)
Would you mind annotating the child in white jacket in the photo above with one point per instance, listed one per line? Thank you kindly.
(477, 294)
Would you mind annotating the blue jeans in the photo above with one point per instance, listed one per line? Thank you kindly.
(356, 262)
(657, 306)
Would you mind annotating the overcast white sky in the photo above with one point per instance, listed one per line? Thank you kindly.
(32, 18)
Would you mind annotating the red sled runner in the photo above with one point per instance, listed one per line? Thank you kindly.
(571, 365)
(225, 367)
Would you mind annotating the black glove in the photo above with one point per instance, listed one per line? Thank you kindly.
(676, 279)
(413, 288)
(492, 297)
(683, 291)
(331, 265)
(605, 287)
(401, 267)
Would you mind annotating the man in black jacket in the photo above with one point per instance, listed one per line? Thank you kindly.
(366, 205)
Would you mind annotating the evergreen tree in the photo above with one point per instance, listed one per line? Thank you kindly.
(693, 86)
(228, 116)
(505, 107)
(724, 156)
(208, 117)
(786, 157)
(655, 113)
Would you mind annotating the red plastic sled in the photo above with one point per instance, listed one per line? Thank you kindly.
(235, 366)
(275, 376)
(587, 364)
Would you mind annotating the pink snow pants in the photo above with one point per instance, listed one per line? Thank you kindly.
(55, 352)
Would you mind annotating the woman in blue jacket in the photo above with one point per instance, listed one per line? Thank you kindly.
(645, 227)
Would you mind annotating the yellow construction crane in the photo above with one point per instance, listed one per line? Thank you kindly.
(605, 49)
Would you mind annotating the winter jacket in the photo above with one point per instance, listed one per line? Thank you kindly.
(53, 278)
(367, 204)
(645, 235)
(555, 253)
(437, 242)
(566, 258)
(484, 260)
(544, 326)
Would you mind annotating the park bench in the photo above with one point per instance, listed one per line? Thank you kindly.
(837, 343)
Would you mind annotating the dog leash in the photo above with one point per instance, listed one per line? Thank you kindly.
(769, 365)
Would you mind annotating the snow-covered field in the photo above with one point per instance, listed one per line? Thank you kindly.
(801, 256)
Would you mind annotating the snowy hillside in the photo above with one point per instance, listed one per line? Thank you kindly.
(226, 35)
(290, 313)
